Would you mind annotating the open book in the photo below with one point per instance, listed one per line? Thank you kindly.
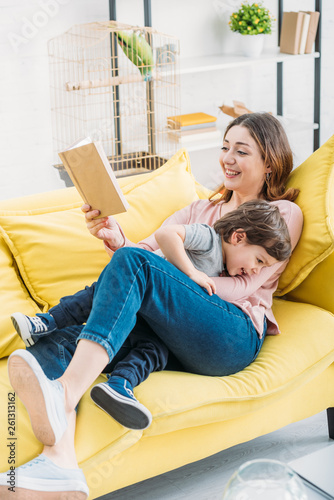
(88, 167)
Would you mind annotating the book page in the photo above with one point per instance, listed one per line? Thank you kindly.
(80, 142)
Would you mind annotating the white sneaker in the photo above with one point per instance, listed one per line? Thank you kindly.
(43, 398)
(41, 476)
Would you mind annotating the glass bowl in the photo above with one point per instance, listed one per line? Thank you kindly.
(264, 480)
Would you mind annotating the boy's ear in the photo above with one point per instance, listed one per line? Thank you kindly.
(238, 236)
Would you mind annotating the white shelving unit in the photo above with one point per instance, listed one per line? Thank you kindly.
(205, 64)
(193, 65)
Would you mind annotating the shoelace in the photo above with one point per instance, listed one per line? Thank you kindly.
(32, 463)
(38, 325)
(129, 391)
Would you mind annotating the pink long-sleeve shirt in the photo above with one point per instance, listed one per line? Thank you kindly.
(253, 294)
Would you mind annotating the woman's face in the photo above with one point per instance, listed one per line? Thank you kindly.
(242, 163)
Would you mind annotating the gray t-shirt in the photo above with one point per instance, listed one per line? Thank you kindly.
(204, 248)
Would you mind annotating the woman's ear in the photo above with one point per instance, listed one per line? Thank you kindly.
(268, 169)
(238, 236)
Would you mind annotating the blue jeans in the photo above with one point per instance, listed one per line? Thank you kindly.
(139, 289)
(74, 309)
(141, 354)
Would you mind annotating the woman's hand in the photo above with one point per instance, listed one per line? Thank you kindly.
(203, 280)
(105, 228)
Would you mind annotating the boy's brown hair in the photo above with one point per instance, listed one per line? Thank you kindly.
(263, 224)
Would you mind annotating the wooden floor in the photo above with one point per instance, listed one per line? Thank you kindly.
(206, 479)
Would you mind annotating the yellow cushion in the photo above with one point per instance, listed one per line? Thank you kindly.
(317, 288)
(14, 297)
(155, 196)
(55, 253)
(203, 192)
(315, 179)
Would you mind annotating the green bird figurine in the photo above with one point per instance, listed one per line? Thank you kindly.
(136, 48)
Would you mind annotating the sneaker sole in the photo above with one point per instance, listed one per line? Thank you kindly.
(130, 414)
(28, 381)
(25, 494)
(21, 325)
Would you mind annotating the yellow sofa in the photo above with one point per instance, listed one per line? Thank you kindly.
(46, 252)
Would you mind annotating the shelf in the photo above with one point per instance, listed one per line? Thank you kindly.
(192, 65)
(290, 126)
(200, 146)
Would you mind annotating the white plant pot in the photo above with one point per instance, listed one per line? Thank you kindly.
(251, 45)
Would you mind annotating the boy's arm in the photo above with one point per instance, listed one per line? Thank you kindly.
(170, 240)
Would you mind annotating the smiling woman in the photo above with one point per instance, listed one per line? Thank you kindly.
(256, 159)
(147, 312)
(242, 163)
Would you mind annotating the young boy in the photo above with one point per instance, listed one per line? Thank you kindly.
(243, 241)
(201, 251)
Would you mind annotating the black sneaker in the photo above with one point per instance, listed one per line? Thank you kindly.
(116, 398)
(31, 328)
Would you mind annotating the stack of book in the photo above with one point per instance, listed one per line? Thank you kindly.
(193, 127)
(298, 32)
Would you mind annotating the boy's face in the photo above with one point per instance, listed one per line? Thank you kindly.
(241, 258)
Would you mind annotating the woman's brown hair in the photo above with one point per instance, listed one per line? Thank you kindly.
(274, 146)
(263, 225)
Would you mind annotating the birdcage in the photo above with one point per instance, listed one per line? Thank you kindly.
(118, 84)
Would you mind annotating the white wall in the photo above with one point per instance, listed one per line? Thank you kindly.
(25, 125)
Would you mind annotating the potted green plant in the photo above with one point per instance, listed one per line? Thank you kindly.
(251, 21)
